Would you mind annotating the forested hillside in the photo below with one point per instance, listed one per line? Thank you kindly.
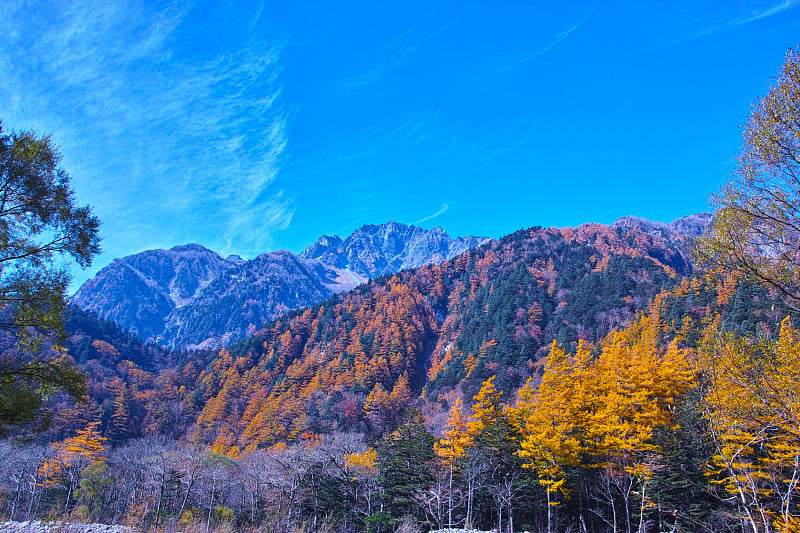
(521, 380)
(346, 363)
(355, 362)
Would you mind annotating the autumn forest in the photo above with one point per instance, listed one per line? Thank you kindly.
(637, 377)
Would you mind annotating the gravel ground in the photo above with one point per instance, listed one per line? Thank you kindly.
(60, 527)
(457, 530)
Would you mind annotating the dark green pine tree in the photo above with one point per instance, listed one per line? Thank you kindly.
(681, 499)
(404, 459)
(505, 482)
(324, 496)
(121, 423)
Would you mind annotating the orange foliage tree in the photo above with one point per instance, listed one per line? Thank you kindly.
(72, 456)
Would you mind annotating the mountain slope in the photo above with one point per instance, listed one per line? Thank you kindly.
(190, 296)
(140, 291)
(238, 302)
(353, 362)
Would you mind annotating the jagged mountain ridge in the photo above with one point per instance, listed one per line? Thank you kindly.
(688, 227)
(372, 251)
(189, 296)
(238, 302)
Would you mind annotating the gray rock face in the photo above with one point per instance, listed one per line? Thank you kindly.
(685, 227)
(682, 231)
(376, 250)
(189, 296)
(238, 302)
(693, 225)
(141, 290)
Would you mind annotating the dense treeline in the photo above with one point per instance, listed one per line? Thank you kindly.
(157, 482)
(134, 389)
(673, 423)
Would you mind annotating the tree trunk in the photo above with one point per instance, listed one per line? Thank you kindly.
(69, 495)
(614, 512)
(210, 505)
(641, 507)
(468, 520)
(33, 496)
(500, 518)
(186, 497)
(17, 495)
(160, 496)
(450, 498)
(627, 498)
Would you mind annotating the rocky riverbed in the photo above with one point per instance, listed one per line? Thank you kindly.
(60, 527)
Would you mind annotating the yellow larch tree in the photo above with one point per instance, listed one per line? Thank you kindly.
(361, 470)
(495, 443)
(361, 464)
(549, 419)
(752, 405)
(486, 408)
(637, 381)
(453, 446)
(401, 395)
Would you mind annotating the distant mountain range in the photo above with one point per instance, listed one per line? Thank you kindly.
(190, 296)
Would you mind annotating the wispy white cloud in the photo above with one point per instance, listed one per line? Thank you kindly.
(515, 138)
(445, 207)
(174, 131)
(365, 177)
(765, 10)
(407, 132)
(526, 56)
(387, 64)
(728, 16)
(387, 58)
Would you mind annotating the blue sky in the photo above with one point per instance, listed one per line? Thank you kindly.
(253, 127)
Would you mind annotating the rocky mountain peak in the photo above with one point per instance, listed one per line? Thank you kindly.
(191, 296)
(192, 247)
(693, 225)
(139, 291)
(642, 224)
(689, 226)
(374, 250)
